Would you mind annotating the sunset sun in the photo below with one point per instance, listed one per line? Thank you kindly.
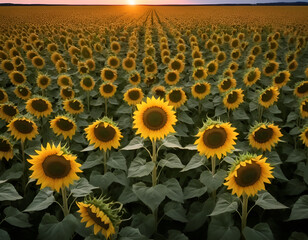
(131, 2)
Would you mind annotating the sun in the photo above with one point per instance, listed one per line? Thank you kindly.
(131, 2)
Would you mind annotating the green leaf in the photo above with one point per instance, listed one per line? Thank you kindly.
(191, 147)
(226, 203)
(267, 201)
(8, 192)
(129, 233)
(4, 235)
(220, 110)
(296, 155)
(174, 190)
(117, 161)
(171, 161)
(194, 189)
(171, 142)
(175, 211)
(294, 236)
(213, 182)
(306, 174)
(195, 162)
(139, 167)
(135, 143)
(292, 116)
(81, 188)
(50, 228)
(145, 224)
(183, 117)
(127, 196)
(150, 196)
(175, 234)
(221, 227)
(274, 109)
(88, 148)
(240, 114)
(42, 200)
(259, 232)
(15, 172)
(300, 209)
(93, 159)
(16, 218)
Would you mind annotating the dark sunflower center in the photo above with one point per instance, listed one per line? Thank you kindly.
(270, 55)
(233, 67)
(215, 137)
(87, 82)
(43, 81)
(4, 146)
(97, 220)
(23, 91)
(198, 63)
(199, 73)
(104, 134)
(211, 67)
(155, 118)
(115, 47)
(39, 105)
(226, 84)
(134, 95)
(303, 88)
(23, 126)
(232, 97)
(109, 75)
(19, 78)
(273, 45)
(263, 135)
(134, 78)
(9, 110)
(108, 88)
(305, 106)
(255, 51)
(251, 76)
(267, 96)
(151, 67)
(1, 95)
(160, 93)
(9, 66)
(84, 69)
(221, 57)
(306, 134)
(38, 61)
(75, 105)
(20, 67)
(235, 54)
(200, 88)
(172, 76)
(176, 65)
(55, 166)
(65, 81)
(114, 62)
(292, 66)
(175, 96)
(280, 78)
(270, 68)
(128, 63)
(67, 92)
(248, 175)
(64, 124)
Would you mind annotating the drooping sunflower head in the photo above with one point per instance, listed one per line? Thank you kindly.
(248, 175)
(23, 92)
(108, 74)
(176, 97)
(87, 83)
(17, 77)
(270, 68)
(303, 108)
(199, 73)
(301, 89)
(39, 106)
(104, 133)
(264, 136)
(133, 96)
(154, 119)
(268, 96)
(293, 65)
(105, 216)
(113, 62)
(129, 64)
(159, 91)
(226, 84)
(233, 66)
(233, 98)
(281, 78)
(54, 167)
(172, 77)
(212, 67)
(304, 135)
(6, 148)
(216, 138)
(73, 106)
(134, 78)
(200, 90)
(43, 81)
(8, 111)
(177, 65)
(63, 125)
(107, 90)
(38, 62)
(252, 76)
(22, 128)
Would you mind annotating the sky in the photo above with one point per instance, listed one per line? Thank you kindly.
(133, 2)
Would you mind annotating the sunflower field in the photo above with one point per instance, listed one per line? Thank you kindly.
(139, 122)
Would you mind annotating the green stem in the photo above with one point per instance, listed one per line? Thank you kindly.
(106, 107)
(88, 100)
(260, 113)
(199, 107)
(154, 158)
(24, 179)
(64, 201)
(105, 161)
(228, 112)
(213, 162)
(244, 210)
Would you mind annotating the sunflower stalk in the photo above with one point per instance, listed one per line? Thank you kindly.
(213, 162)
(199, 107)
(244, 211)
(154, 158)
(106, 109)
(105, 161)
(64, 201)
(88, 100)
(260, 113)
(25, 175)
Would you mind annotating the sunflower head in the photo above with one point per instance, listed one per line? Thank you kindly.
(159, 91)
(87, 83)
(257, 37)
(292, 65)
(166, 60)
(172, 77)
(22, 127)
(301, 89)
(64, 80)
(176, 97)
(270, 68)
(235, 54)
(264, 136)
(177, 65)
(43, 81)
(17, 77)
(38, 62)
(6, 148)
(39, 106)
(134, 78)
(67, 93)
(212, 67)
(304, 107)
(107, 90)
(133, 96)
(90, 64)
(23, 92)
(199, 73)
(233, 98)
(252, 76)
(200, 90)
(73, 106)
(8, 111)
(198, 62)
(54, 167)
(109, 75)
(55, 57)
(221, 57)
(226, 84)
(129, 64)
(248, 175)
(3, 96)
(63, 125)
(104, 133)
(7, 66)
(270, 55)
(215, 138)
(86, 52)
(115, 47)
(281, 78)
(113, 62)
(233, 66)
(61, 66)
(268, 96)
(304, 135)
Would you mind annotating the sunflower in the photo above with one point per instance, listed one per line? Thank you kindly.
(7, 66)
(159, 91)
(233, 66)
(233, 98)
(54, 167)
(166, 60)
(113, 62)
(63, 125)
(199, 73)
(281, 78)
(227, 73)
(87, 83)
(154, 119)
(270, 68)
(151, 68)
(200, 90)
(133, 96)
(83, 68)
(38, 62)
(67, 93)
(270, 55)
(198, 62)
(17, 77)
(105, 217)
(3, 96)
(216, 139)
(31, 54)
(176, 64)
(252, 76)
(43, 81)
(256, 50)
(86, 52)
(22, 128)
(292, 65)
(226, 84)
(129, 64)
(248, 175)
(115, 47)
(304, 108)
(64, 80)
(264, 136)
(268, 96)
(212, 67)
(104, 133)
(176, 97)
(221, 57)
(39, 106)
(6, 148)
(108, 74)
(301, 89)
(250, 60)
(107, 90)
(134, 78)
(306, 72)
(8, 111)
(61, 66)
(23, 92)
(172, 77)
(235, 54)
(304, 135)
(73, 106)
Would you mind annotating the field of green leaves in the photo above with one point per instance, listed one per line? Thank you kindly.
(153, 123)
